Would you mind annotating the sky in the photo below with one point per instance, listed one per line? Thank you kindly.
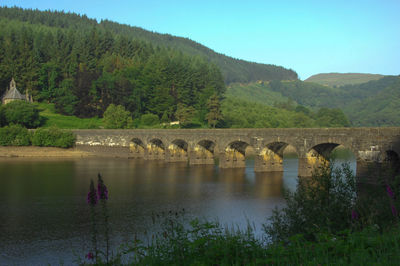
(310, 37)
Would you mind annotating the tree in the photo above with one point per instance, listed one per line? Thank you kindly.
(332, 118)
(65, 100)
(116, 117)
(149, 120)
(185, 114)
(215, 114)
(2, 118)
(22, 113)
(164, 118)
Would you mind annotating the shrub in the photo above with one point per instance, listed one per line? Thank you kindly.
(117, 117)
(14, 135)
(149, 120)
(53, 137)
(378, 204)
(22, 113)
(322, 203)
(2, 118)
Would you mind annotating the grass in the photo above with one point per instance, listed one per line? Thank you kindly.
(206, 243)
(52, 119)
(350, 248)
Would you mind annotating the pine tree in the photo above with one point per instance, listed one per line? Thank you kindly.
(214, 115)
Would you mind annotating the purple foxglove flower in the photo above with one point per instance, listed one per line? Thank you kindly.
(354, 215)
(92, 195)
(90, 256)
(389, 191)
(101, 189)
(394, 211)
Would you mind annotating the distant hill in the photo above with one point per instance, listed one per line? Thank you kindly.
(341, 79)
(374, 103)
(233, 70)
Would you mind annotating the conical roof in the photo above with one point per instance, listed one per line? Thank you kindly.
(13, 93)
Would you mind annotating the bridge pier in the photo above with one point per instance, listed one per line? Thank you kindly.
(176, 154)
(268, 162)
(377, 167)
(136, 151)
(311, 162)
(154, 152)
(232, 158)
(200, 155)
(368, 172)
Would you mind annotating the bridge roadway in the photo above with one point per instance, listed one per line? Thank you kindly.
(370, 146)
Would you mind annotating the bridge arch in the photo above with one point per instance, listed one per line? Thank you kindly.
(320, 155)
(203, 152)
(270, 157)
(177, 151)
(234, 155)
(137, 148)
(155, 149)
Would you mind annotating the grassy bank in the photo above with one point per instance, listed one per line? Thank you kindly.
(210, 244)
(52, 119)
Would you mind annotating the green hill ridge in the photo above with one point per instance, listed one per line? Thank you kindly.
(374, 103)
(341, 79)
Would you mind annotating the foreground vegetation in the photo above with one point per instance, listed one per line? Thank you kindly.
(325, 221)
(16, 135)
(15, 119)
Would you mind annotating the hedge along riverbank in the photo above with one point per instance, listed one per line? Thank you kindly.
(16, 135)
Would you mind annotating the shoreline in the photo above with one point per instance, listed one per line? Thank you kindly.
(42, 152)
(79, 151)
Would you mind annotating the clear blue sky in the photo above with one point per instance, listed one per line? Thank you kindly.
(308, 36)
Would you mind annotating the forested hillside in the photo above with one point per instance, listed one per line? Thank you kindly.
(82, 68)
(240, 113)
(233, 70)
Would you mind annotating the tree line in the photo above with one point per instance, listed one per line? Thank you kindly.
(233, 70)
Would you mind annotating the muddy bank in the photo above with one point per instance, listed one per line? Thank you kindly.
(32, 152)
(76, 152)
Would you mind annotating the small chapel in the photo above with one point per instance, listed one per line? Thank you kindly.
(12, 94)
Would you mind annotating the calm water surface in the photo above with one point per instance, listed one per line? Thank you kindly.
(44, 217)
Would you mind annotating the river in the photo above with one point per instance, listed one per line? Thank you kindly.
(44, 217)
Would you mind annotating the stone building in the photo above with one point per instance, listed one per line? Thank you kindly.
(12, 94)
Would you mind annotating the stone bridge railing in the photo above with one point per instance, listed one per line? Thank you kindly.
(370, 146)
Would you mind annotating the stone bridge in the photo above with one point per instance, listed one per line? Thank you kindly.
(370, 146)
